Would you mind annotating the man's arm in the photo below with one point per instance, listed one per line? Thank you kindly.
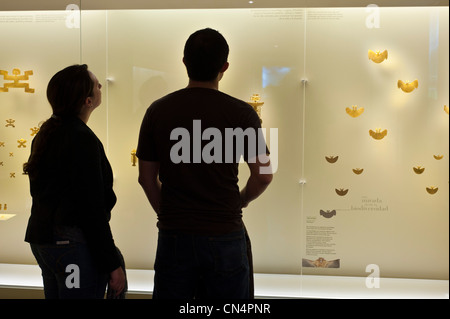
(257, 182)
(149, 180)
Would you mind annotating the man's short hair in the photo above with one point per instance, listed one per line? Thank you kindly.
(205, 53)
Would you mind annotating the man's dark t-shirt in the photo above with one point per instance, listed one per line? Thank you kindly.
(198, 195)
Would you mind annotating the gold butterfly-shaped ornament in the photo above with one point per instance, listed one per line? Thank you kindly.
(378, 56)
(354, 111)
(407, 86)
(341, 191)
(378, 134)
(332, 159)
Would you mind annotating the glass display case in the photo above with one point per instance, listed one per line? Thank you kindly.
(358, 96)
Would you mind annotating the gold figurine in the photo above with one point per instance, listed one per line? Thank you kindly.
(133, 157)
(418, 169)
(408, 87)
(34, 130)
(10, 122)
(378, 134)
(432, 190)
(378, 57)
(358, 171)
(438, 157)
(256, 104)
(331, 159)
(354, 111)
(16, 78)
(21, 143)
(341, 191)
(321, 263)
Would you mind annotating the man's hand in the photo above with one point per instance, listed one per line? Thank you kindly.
(117, 280)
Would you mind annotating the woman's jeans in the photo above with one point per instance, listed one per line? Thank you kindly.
(68, 269)
(195, 266)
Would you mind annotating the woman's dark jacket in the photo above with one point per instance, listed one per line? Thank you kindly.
(74, 187)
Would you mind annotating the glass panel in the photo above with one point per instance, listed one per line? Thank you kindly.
(146, 63)
(35, 45)
(366, 201)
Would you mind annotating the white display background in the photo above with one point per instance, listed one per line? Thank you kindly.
(308, 65)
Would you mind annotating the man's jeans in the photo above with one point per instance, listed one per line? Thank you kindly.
(68, 269)
(195, 266)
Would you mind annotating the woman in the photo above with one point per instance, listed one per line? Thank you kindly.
(71, 185)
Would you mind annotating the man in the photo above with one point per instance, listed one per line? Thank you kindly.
(188, 168)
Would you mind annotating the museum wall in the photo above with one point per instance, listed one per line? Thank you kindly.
(349, 145)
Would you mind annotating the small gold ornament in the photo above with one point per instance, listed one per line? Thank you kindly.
(133, 158)
(354, 111)
(378, 57)
(16, 78)
(21, 143)
(419, 169)
(256, 104)
(10, 122)
(332, 159)
(378, 134)
(34, 130)
(341, 191)
(408, 87)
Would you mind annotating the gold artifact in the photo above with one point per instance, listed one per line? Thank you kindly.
(2, 144)
(256, 104)
(133, 157)
(408, 87)
(438, 157)
(1, 163)
(320, 263)
(331, 159)
(341, 191)
(34, 130)
(378, 57)
(418, 169)
(354, 111)
(432, 190)
(328, 214)
(11, 154)
(378, 134)
(21, 143)
(358, 171)
(16, 77)
(446, 109)
(10, 122)
(12, 175)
